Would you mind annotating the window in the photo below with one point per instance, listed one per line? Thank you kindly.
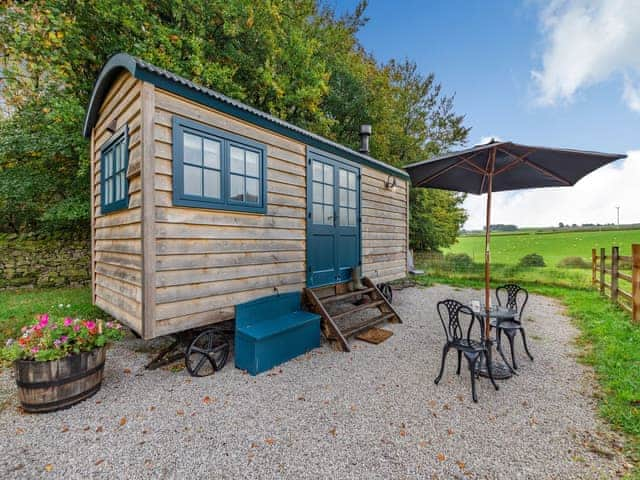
(218, 170)
(322, 175)
(114, 186)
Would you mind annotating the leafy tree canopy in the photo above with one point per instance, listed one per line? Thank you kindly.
(296, 59)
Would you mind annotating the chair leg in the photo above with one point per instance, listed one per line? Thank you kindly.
(473, 361)
(501, 352)
(489, 371)
(445, 350)
(459, 359)
(510, 335)
(524, 342)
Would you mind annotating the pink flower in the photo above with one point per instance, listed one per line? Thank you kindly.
(76, 328)
(90, 324)
(68, 321)
(34, 350)
(44, 320)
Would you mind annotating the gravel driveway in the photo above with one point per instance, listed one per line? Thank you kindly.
(371, 413)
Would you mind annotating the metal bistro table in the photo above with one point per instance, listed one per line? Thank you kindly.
(500, 370)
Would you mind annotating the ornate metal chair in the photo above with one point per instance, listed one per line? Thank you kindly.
(454, 317)
(513, 297)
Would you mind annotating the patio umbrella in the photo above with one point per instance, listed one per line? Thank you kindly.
(500, 166)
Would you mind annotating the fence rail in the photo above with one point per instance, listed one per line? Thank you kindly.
(608, 267)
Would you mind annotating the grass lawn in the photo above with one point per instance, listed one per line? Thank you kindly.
(18, 308)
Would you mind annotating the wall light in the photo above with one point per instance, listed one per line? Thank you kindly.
(391, 183)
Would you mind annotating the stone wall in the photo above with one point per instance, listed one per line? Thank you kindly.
(30, 260)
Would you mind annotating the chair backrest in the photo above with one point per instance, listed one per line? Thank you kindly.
(458, 320)
(512, 296)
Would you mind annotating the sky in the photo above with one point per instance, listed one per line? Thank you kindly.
(560, 73)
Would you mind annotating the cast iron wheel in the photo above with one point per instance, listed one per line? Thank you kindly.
(206, 354)
(386, 290)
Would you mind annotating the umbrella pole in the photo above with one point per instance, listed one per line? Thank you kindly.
(487, 243)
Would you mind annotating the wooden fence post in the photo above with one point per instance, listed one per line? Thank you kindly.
(603, 256)
(594, 266)
(635, 282)
(615, 258)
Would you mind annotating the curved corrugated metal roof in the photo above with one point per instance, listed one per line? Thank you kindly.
(181, 86)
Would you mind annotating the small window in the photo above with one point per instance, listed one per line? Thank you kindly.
(348, 204)
(218, 170)
(114, 160)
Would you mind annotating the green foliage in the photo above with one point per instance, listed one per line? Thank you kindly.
(459, 261)
(531, 260)
(436, 217)
(297, 60)
(574, 262)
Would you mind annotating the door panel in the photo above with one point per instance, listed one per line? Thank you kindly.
(333, 243)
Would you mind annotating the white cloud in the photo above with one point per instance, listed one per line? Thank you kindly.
(592, 200)
(587, 42)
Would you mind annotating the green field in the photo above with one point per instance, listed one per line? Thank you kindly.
(508, 248)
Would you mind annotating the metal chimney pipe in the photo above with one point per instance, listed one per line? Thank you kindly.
(365, 133)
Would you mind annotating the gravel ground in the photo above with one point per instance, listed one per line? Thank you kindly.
(371, 413)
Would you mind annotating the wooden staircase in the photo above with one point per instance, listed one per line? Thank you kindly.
(343, 317)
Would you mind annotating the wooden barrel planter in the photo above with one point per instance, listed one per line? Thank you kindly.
(57, 384)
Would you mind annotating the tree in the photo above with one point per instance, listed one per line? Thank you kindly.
(297, 60)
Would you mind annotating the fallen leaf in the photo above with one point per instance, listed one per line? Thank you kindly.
(333, 431)
(450, 431)
(19, 431)
(180, 412)
(301, 398)
(127, 370)
(446, 406)
(99, 429)
(460, 464)
(152, 408)
(432, 403)
(269, 441)
(99, 461)
(145, 431)
(353, 408)
(123, 421)
(460, 398)
(87, 428)
(403, 432)
(48, 467)
(254, 445)
(64, 429)
(98, 402)
(206, 400)
(441, 457)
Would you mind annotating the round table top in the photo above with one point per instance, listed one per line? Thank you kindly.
(496, 312)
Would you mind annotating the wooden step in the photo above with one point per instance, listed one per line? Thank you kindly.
(345, 296)
(356, 309)
(366, 324)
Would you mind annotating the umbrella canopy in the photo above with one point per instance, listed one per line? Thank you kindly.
(501, 166)
(515, 167)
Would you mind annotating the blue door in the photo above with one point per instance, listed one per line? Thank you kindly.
(333, 220)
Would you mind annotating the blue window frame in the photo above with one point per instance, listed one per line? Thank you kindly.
(217, 170)
(114, 161)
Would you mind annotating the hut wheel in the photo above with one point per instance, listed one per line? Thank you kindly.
(207, 353)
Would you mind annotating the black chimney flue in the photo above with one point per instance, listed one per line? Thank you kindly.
(365, 133)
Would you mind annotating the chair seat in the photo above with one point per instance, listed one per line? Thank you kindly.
(468, 345)
(506, 324)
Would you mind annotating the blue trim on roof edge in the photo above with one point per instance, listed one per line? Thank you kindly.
(186, 89)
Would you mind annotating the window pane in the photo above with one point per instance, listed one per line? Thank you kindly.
(192, 149)
(328, 215)
(352, 216)
(211, 154)
(317, 171)
(343, 178)
(317, 214)
(123, 185)
(352, 180)
(344, 216)
(237, 160)
(117, 195)
(328, 194)
(118, 158)
(328, 174)
(192, 180)
(107, 192)
(237, 188)
(253, 164)
(352, 198)
(253, 190)
(317, 192)
(211, 183)
(343, 197)
(108, 165)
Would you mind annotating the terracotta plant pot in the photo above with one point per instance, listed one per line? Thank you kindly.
(57, 384)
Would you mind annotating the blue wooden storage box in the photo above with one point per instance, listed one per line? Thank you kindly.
(272, 330)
